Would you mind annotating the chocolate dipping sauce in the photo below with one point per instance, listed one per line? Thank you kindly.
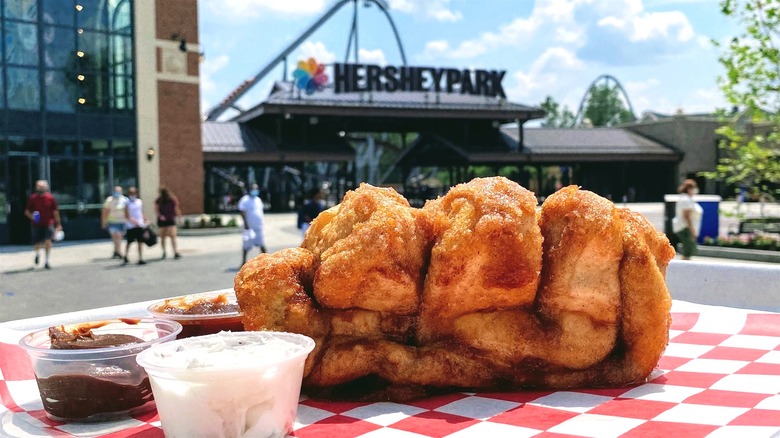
(91, 390)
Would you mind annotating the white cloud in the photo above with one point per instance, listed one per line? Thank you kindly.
(550, 74)
(624, 33)
(430, 9)
(639, 86)
(376, 56)
(316, 50)
(618, 32)
(208, 87)
(207, 70)
(242, 9)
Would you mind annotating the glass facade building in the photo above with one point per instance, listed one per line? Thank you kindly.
(67, 108)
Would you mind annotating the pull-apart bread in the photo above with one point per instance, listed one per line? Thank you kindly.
(477, 290)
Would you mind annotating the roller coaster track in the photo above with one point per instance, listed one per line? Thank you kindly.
(238, 92)
(606, 79)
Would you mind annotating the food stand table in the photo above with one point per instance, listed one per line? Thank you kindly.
(719, 377)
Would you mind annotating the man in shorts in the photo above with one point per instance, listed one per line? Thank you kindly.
(44, 215)
(251, 208)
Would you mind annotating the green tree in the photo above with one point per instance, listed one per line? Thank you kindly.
(751, 151)
(604, 106)
(556, 117)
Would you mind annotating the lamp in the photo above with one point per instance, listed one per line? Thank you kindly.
(150, 154)
(182, 40)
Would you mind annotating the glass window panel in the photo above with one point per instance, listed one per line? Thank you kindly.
(93, 91)
(94, 46)
(97, 183)
(21, 42)
(62, 147)
(61, 91)
(2, 90)
(60, 12)
(64, 180)
(125, 173)
(23, 89)
(122, 92)
(59, 45)
(122, 47)
(3, 189)
(123, 148)
(119, 16)
(22, 10)
(23, 144)
(93, 14)
(95, 147)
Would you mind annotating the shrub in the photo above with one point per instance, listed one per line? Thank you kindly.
(770, 242)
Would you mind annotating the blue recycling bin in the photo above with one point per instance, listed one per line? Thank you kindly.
(710, 218)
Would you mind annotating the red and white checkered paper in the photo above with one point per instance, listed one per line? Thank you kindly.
(720, 376)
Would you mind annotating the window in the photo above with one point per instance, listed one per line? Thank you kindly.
(59, 12)
(97, 181)
(62, 147)
(3, 196)
(119, 16)
(26, 10)
(61, 91)
(21, 41)
(125, 173)
(59, 46)
(95, 147)
(93, 15)
(23, 144)
(23, 89)
(93, 91)
(64, 180)
(123, 148)
(2, 88)
(93, 48)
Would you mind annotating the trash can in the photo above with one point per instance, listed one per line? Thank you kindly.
(710, 219)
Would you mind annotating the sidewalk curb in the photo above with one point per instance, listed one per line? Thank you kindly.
(755, 255)
(208, 231)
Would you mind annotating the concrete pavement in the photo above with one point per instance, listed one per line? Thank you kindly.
(83, 275)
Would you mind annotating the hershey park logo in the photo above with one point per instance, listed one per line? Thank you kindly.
(351, 78)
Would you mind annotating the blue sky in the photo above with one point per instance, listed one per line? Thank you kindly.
(660, 50)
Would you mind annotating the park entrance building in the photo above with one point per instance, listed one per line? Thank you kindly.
(421, 143)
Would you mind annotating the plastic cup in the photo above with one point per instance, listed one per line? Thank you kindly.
(211, 320)
(96, 384)
(229, 384)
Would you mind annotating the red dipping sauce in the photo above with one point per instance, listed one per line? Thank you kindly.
(201, 314)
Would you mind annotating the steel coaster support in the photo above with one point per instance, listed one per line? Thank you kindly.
(229, 102)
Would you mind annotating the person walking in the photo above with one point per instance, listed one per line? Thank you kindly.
(251, 208)
(687, 218)
(136, 222)
(44, 215)
(114, 218)
(166, 206)
(310, 209)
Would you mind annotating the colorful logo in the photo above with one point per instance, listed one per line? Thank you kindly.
(310, 76)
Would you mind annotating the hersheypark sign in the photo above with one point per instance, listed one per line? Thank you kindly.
(310, 76)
